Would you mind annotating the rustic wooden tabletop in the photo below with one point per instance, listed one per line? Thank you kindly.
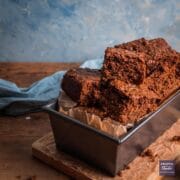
(18, 133)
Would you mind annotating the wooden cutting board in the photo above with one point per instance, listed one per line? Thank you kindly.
(45, 150)
(143, 167)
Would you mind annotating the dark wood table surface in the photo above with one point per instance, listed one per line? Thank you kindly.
(18, 133)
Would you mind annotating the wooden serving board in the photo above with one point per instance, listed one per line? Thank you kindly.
(45, 150)
(143, 167)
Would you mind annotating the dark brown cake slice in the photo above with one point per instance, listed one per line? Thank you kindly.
(82, 85)
(157, 53)
(127, 103)
(124, 65)
(132, 62)
(164, 84)
(153, 47)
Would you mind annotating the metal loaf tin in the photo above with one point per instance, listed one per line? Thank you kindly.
(107, 152)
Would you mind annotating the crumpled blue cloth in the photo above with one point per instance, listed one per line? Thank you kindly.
(15, 100)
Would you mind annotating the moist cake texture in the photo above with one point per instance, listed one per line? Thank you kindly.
(82, 85)
(127, 103)
(124, 65)
(159, 53)
(132, 62)
(137, 76)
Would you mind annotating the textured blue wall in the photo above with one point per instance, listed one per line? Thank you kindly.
(76, 30)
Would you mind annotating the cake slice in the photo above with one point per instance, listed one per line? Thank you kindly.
(137, 76)
(153, 47)
(82, 85)
(155, 50)
(124, 65)
(132, 62)
(127, 103)
(163, 84)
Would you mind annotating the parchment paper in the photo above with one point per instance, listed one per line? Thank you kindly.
(85, 115)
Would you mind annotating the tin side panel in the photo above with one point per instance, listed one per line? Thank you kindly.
(84, 143)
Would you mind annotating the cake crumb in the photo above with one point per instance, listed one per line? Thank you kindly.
(175, 139)
(148, 153)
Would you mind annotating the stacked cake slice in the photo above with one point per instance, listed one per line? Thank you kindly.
(135, 78)
(82, 86)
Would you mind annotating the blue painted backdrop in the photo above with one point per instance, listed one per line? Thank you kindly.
(76, 30)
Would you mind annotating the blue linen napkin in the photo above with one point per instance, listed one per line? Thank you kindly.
(15, 100)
